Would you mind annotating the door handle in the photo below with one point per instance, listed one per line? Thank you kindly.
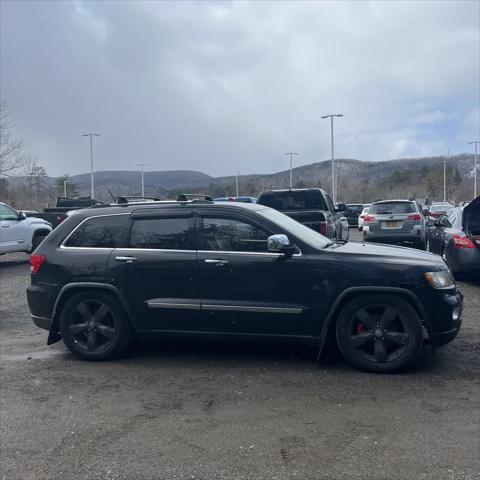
(126, 259)
(216, 261)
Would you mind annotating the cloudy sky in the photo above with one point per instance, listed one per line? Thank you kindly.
(213, 86)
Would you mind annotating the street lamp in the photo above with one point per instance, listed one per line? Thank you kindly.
(476, 142)
(65, 187)
(91, 135)
(445, 176)
(291, 165)
(141, 165)
(330, 116)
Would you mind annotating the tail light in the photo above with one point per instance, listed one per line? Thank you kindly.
(324, 228)
(36, 261)
(462, 242)
(369, 218)
(415, 216)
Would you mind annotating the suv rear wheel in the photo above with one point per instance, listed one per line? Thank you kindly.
(94, 326)
(379, 333)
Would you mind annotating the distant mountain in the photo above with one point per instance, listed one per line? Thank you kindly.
(358, 181)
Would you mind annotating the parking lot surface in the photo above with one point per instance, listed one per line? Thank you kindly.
(216, 410)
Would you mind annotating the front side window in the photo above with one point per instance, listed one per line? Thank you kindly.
(100, 232)
(161, 233)
(222, 234)
(7, 213)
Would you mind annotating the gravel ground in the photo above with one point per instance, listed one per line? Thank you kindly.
(230, 411)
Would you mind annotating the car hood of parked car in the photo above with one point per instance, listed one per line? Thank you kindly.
(391, 254)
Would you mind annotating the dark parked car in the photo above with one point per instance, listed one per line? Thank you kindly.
(242, 199)
(397, 222)
(56, 215)
(456, 236)
(352, 213)
(311, 206)
(238, 271)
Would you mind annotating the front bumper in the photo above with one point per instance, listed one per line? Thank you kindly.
(444, 310)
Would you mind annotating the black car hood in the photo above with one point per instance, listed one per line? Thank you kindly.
(391, 254)
(471, 217)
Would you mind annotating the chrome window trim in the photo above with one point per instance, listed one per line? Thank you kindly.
(136, 249)
(223, 252)
(63, 246)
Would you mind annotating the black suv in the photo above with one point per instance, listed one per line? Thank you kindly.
(235, 270)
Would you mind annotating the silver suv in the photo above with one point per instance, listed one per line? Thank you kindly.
(396, 221)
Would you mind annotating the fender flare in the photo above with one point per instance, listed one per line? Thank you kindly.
(54, 335)
(370, 289)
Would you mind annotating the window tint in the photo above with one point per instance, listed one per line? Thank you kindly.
(100, 232)
(295, 200)
(391, 208)
(6, 213)
(161, 233)
(226, 235)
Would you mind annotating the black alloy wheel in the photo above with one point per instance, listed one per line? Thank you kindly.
(94, 326)
(379, 333)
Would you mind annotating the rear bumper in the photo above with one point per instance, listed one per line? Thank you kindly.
(464, 260)
(42, 322)
(393, 237)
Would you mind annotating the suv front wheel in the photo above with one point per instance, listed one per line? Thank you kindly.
(379, 333)
(94, 326)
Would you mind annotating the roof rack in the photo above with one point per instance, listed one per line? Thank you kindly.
(188, 197)
(133, 199)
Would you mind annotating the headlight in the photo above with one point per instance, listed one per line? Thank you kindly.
(441, 279)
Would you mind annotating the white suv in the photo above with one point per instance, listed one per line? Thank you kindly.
(19, 233)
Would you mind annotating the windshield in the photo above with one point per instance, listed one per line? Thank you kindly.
(307, 235)
(294, 200)
(391, 208)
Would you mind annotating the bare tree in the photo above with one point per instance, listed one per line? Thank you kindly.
(11, 149)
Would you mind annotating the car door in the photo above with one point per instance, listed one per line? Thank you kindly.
(436, 235)
(244, 288)
(13, 229)
(158, 272)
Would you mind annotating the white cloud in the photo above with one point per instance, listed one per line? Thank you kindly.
(210, 85)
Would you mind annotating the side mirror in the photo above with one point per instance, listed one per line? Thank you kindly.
(22, 216)
(341, 207)
(280, 244)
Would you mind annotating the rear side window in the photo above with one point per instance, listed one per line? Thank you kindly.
(161, 233)
(392, 208)
(294, 200)
(100, 232)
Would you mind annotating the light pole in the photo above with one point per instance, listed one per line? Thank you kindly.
(291, 166)
(65, 187)
(141, 165)
(330, 116)
(445, 176)
(92, 186)
(476, 142)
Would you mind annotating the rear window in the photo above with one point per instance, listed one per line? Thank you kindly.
(440, 208)
(306, 200)
(392, 208)
(354, 210)
(100, 232)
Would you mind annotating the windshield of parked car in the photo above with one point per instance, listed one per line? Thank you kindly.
(294, 200)
(305, 234)
(392, 208)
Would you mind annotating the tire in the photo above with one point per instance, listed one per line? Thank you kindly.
(94, 326)
(379, 333)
